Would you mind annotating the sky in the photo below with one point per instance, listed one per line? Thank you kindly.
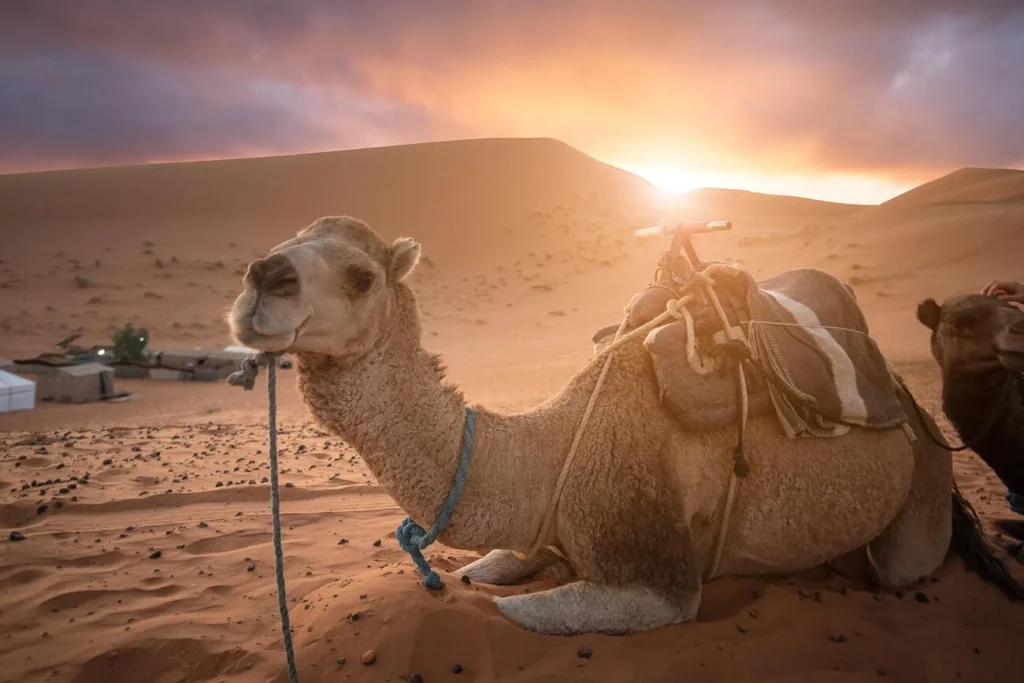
(848, 101)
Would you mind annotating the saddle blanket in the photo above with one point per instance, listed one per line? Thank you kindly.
(818, 367)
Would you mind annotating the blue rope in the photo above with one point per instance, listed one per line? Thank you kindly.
(246, 378)
(412, 538)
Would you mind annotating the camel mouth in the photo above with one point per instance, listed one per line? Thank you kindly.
(270, 343)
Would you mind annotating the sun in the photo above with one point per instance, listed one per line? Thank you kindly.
(670, 180)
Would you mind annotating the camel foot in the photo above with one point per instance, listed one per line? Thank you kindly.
(587, 607)
(504, 568)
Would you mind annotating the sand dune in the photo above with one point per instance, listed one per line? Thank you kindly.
(966, 186)
(151, 558)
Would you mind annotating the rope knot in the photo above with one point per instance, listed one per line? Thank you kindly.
(246, 376)
(412, 538)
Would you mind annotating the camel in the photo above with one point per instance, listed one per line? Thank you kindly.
(978, 343)
(639, 515)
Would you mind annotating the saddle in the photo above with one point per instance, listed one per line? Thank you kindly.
(800, 337)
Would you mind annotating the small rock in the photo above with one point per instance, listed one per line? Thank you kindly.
(340, 661)
(376, 543)
(844, 590)
(289, 485)
(108, 461)
(456, 668)
(758, 592)
(584, 653)
(369, 657)
(416, 678)
(837, 637)
(882, 671)
(251, 567)
(41, 509)
(155, 555)
(740, 629)
(465, 579)
(921, 597)
(17, 536)
(343, 541)
(203, 525)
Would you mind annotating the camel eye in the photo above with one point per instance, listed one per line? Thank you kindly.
(362, 280)
(967, 321)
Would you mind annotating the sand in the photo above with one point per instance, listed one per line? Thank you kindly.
(158, 566)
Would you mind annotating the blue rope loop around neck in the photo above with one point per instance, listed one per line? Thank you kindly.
(412, 538)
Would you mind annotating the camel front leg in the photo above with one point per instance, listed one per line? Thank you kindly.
(587, 607)
(504, 567)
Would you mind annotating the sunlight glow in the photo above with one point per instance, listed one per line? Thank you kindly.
(852, 189)
(672, 181)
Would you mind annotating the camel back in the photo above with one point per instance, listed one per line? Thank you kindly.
(800, 334)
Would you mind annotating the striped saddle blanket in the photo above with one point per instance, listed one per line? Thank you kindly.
(814, 362)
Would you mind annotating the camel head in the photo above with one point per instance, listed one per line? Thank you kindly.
(972, 333)
(329, 290)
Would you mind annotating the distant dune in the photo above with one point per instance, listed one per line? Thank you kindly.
(528, 226)
(966, 186)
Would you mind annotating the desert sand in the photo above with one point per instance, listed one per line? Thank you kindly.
(146, 553)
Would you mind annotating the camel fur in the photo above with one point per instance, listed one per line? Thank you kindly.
(640, 512)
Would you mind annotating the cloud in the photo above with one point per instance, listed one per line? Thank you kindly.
(792, 85)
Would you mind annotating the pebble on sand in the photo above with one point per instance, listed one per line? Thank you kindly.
(369, 657)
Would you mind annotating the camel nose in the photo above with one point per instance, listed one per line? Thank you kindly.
(274, 275)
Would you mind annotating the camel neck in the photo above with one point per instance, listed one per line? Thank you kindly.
(983, 408)
(394, 409)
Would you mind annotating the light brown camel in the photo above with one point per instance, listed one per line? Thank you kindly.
(639, 515)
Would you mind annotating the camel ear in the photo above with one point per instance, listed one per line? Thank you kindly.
(929, 312)
(403, 255)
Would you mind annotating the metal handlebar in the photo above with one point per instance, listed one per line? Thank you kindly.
(689, 228)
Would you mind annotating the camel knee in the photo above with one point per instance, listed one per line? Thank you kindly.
(587, 607)
(916, 542)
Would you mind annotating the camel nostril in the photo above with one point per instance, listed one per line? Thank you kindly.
(258, 272)
(275, 275)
